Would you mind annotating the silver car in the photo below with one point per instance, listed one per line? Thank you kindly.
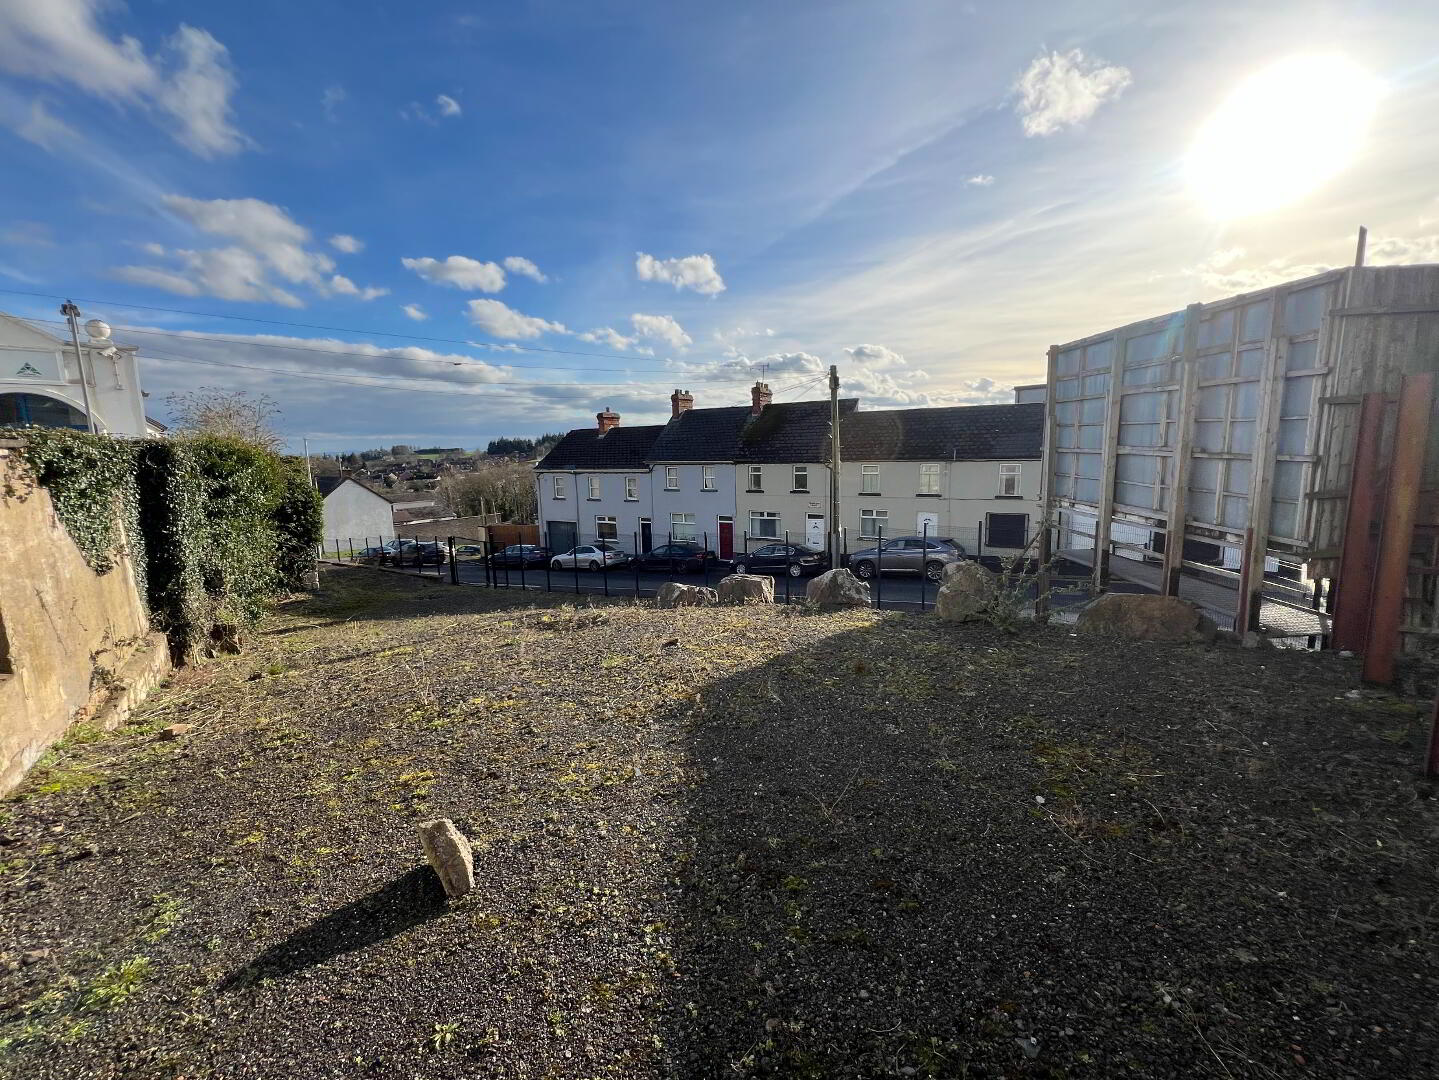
(600, 556)
(907, 555)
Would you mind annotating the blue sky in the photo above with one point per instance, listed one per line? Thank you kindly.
(927, 194)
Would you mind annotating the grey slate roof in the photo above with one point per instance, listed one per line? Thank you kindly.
(963, 433)
(621, 448)
(701, 435)
(791, 431)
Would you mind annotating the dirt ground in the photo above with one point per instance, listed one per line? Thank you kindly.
(725, 843)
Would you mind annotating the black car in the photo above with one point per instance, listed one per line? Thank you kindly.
(682, 555)
(521, 556)
(796, 560)
(419, 554)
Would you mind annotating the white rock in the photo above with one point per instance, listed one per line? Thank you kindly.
(675, 594)
(837, 589)
(448, 852)
(967, 591)
(746, 589)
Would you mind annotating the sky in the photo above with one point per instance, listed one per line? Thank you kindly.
(443, 222)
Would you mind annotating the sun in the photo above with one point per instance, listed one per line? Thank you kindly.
(1281, 134)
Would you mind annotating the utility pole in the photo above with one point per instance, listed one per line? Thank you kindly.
(309, 472)
(836, 542)
(71, 312)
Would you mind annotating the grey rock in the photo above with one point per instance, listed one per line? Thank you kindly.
(837, 589)
(448, 853)
(674, 594)
(968, 590)
(1145, 618)
(746, 589)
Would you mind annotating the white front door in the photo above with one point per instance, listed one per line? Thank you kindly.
(814, 531)
(927, 524)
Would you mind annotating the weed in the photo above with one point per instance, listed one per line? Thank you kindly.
(443, 1035)
(165, 917)
(113, 986)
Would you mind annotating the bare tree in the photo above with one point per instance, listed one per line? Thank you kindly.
(236, 414)
(502, 487)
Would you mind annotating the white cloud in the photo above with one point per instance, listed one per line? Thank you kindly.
(331, 100)
(518, 264)
(499, 319)
(191, 80)
(1061, 89)
(661, 328)
(43, 128)
(267, 244)
(980, 180)
(695, 272)
(448, 105)
(198, 94)
(1398, 251)
(28, 233)
(876, 357)
(1226, 271)
(459, 272)
(346, 243)
(606, 335)
(775, 365)
(414, 311)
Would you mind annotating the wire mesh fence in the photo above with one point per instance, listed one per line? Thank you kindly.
(904, 572)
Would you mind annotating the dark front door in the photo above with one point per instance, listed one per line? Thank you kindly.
(563, 536)
(726, 539)
(646, 534)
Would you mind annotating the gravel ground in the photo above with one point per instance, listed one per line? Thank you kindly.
(724, 843)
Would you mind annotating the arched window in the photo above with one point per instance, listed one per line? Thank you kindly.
(37, 410)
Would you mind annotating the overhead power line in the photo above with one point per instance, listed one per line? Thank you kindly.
(503, 345)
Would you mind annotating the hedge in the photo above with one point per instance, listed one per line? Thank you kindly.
(216, 527)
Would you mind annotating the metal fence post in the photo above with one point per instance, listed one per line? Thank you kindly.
(704, 559)
(923, 562)
(787, 558)
(636, 538)
(879, 567)
(574, 559)
(454, 566)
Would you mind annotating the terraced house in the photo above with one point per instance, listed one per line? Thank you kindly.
(740, 476)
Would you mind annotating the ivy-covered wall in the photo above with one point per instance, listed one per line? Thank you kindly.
(216, 527)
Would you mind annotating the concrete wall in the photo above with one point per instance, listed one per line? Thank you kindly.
(353, 512)
(690, 498)
(73, 644)
(577, 506)
(969, 492)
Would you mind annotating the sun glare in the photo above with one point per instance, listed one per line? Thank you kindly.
(1281, 134)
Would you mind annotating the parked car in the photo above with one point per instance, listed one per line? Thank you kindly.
(599, 556)
(521, 556)
(376, 555)
(469, 551)
(907, 555)
(682, 555)
(796, 560)
(413, 553)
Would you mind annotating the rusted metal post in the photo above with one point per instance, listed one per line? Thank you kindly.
(1354, 582)
(1396, 532)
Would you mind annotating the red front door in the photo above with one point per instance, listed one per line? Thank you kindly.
(726, 539)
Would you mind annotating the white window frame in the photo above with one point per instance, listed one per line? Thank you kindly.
(603, 520)
(686, 521)
(768, 516)
(930, 478)
(595, 489)
(632, 489)
(869, 518)
(801, 478)
(557, 487)
(1009, 477)
(707, 478)
(756, 478)
(869, 479)
(672, 477)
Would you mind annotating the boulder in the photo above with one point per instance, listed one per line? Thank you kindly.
(837, 589)
(1145, 618)
(967, 593)
(746, 589)
(448, 853)
(677, 594)
(174, 731)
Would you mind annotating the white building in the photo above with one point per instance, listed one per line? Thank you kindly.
(357, 515)
(40, 381)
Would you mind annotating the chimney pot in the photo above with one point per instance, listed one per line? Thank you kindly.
(760, 396)
(607, 419)
(681, 401)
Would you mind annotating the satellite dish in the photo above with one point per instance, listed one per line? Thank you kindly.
(98, 330)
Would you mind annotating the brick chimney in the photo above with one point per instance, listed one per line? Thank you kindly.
(607, 419)
(760, 396)
(681, 401)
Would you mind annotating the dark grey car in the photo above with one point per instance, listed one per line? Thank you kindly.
(907, 555)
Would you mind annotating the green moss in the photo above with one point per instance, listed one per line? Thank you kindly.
(114, 986)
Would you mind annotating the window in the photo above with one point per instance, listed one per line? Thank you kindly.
(682, 527)
(929, 479)
(871, 522)
(594, 492)
(756, 477)
(606, 528)
(1006, 530)
(558, 486)
(869, 479)
(1009, 481)
(707, 478)
(672, 477)
(632, 488)
(763, 523)
(801, 478)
